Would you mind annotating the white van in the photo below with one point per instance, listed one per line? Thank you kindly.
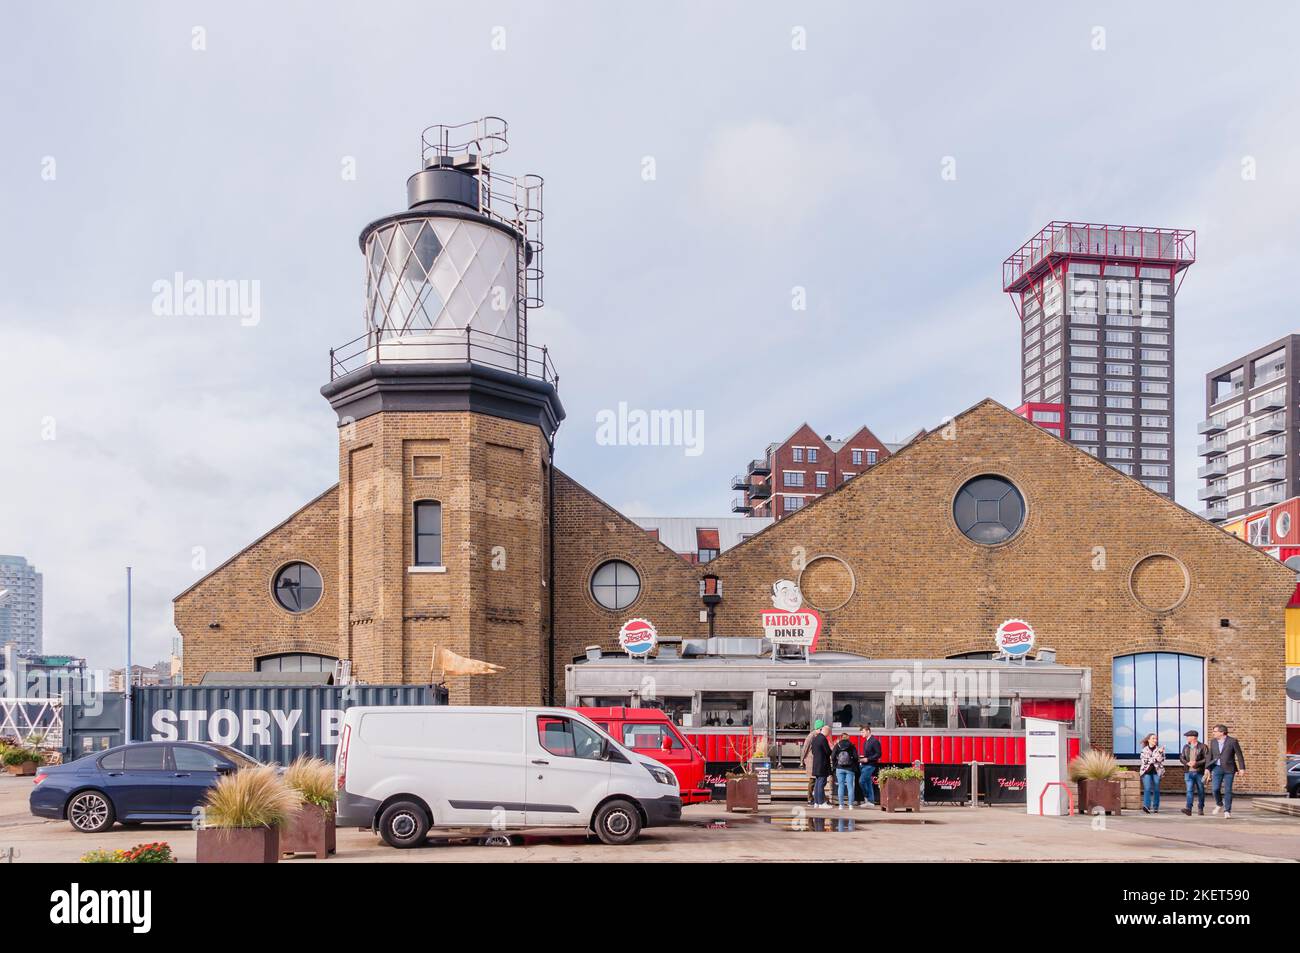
(404, 769)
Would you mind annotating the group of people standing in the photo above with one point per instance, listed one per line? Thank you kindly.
(854, 773)
(1222, 757)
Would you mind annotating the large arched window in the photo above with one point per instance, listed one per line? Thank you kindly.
(428, 533)
(299, 662)
(1162, 692)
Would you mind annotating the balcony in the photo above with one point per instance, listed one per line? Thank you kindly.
(1274, 472)
(1211, 427)
(1273, 423)
(740, 505)
(740, 482)
(1212, 448)
(760, 491)
(760, 467)
(1268, 402)
(1269, 450)
(1274, 494)
(1215, 513)
(1215, 468)
(1215, 491)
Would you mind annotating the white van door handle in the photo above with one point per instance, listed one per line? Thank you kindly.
(540, 761)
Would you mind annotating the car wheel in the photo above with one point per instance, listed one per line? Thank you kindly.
(618, 822)
(403, 824)
(90, 812)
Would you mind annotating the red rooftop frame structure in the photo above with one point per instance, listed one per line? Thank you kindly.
(1086, 241)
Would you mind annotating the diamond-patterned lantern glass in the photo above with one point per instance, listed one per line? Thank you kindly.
(429, 280)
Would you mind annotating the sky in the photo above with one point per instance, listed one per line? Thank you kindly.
(755, 214)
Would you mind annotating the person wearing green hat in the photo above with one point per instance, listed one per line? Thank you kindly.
(805, 754)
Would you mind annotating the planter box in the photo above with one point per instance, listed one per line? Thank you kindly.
(310, 831)
(1106, 795)
(238, 845)
(24, 770)
(742, 793)
(897, 794)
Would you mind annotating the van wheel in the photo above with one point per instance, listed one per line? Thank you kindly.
(90, 812)
(403, 824)
(618, 822)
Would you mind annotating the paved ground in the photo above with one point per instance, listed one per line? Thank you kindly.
(937, 834)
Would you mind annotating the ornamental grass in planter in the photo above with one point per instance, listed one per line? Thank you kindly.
(242, 817)
(900, 789)
(1097, 775)
(310, 828)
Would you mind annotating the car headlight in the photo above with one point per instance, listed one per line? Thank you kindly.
(662, 775)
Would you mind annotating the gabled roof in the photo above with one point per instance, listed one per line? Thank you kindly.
(900, 457)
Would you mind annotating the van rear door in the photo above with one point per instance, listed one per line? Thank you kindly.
(567, 776)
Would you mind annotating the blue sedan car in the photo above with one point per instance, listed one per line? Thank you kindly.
(135, 783)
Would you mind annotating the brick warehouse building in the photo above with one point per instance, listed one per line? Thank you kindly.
(441, 533)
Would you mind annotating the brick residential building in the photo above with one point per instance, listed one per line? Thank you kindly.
(450, 530)
(801, 468)
(1251, 456)
(1096, 309)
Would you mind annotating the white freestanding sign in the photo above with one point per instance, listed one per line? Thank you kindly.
(1045, 764)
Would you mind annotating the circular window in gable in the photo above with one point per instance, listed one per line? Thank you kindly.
(988, 509)
(297, 587)
(615, 584)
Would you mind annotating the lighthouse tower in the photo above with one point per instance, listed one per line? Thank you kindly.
(446, 415)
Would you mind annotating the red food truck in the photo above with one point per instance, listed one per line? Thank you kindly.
(648, 731)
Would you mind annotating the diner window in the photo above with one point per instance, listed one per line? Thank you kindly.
(910, 714)
(428, 533)
(727, 709)
(992, 713)
(1161, 692)
(603, 701)
(858, 709)
(676, 707)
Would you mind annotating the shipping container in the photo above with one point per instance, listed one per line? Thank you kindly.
(272, 723)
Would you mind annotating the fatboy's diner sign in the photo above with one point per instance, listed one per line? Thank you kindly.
(787, 623)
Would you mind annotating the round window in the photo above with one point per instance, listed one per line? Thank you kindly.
(297, 587)
(615, 584)
(989, 509)
(1282, 525)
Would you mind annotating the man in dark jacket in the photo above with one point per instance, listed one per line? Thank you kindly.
(867, 766)
(1195, 758)
(1226, 762)
(819, 765)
